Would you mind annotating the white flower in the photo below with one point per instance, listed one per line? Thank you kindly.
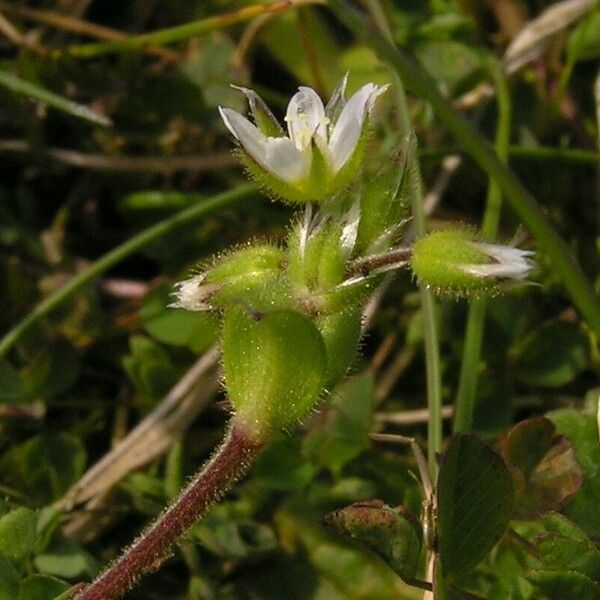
(506, 262)
(308, 163)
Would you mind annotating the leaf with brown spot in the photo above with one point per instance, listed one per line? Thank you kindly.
(545, 472)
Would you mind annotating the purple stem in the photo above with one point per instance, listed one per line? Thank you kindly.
(232, 460)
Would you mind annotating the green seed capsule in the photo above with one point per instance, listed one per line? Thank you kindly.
(275, 367)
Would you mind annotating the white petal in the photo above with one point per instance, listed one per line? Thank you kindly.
(250, 136)
(285, 161)
(279, 156)
(348, 128)
(191, 294)
(306, 117)
(512, 263)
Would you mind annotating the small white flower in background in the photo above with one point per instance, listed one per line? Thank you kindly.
(506, 262)
(322, 150)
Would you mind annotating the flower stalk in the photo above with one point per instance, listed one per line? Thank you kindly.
(229, 463)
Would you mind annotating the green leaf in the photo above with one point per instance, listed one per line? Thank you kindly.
(9, 580)
(282, 39)
(150, 368)
(17, 534)
(560, 585)
(63, 558)
(582, 431)
(12, 390)
(42, 587)
(46, 465)
(40, 94)
(450, 62)
(351, 572)
(557, 523)
(345, 435)
(545, 473)
(231, 538)
(211, 69)
(394, 534)
(475, 501)
(281, 466)
(552, 355)
(559, 552)
(195, 330)
(53, 371)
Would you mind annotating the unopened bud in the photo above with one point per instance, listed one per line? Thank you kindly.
(251, 276)
(451, 261)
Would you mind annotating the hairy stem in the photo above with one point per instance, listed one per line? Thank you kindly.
(229, 463)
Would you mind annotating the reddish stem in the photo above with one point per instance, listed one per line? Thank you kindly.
(232, 460)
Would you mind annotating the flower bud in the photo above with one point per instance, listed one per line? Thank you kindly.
(252, 276)
(275, 368)
(450, 261)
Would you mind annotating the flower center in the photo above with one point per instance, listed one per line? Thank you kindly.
(304, 130)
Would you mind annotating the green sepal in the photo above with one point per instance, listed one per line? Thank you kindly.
(317, 183)
(332, 262)
(321, 264)
(438, 258)
(245, 262)
(275, 367)
(264, 292)
(272, 185)
(384, 204)
(349, 294)
(341, 333)
(263, 117)
(251, 276)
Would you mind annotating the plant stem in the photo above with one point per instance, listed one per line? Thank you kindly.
(467, 385)
(430, 325)
(522, 202)
(39, 94)
(121, 252)
(177, 33)
(576, 156)
(229, 463)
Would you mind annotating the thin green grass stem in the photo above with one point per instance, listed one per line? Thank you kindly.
(39, 94)
(428, 308)
(417, 80)
(121, 252)
(526, 154)
(175, 34)
(469, 371)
